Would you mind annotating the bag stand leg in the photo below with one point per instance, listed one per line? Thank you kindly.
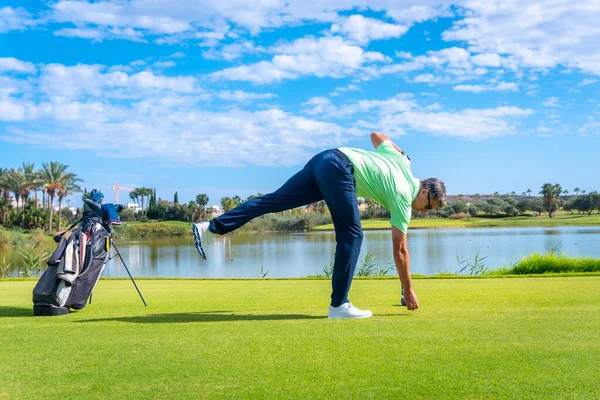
(129, 273)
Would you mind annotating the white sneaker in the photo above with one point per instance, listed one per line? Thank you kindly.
(347, 310)
(199, 230)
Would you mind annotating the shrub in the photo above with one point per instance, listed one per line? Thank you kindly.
(458, 216)
(545, 263)
(287, 222)
(5, 239)
(152, 229)
(37, 236)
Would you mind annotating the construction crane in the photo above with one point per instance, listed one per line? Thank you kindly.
(116, 188)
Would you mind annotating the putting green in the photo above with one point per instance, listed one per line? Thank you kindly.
(531, 337)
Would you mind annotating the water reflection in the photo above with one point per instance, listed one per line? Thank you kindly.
(301, 254)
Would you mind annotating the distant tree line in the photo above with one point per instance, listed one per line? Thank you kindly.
(53, 182)
(38, 191)
(552, 197)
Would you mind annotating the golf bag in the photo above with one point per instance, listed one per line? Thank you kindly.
(78, 261)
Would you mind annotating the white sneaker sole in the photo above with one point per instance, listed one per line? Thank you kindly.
(198, 241)
(350, 317)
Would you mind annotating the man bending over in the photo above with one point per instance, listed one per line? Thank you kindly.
(339, 176)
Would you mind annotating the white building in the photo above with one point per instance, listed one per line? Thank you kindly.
(214, 210)
(13, 202)
(72, 209)
(133, 207)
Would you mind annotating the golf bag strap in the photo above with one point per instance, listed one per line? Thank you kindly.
(72, 226)
(60, 235)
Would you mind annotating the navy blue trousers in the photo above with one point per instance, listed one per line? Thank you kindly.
(327, 176)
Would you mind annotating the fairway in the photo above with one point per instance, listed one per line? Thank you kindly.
(562, 218)
(471, 338)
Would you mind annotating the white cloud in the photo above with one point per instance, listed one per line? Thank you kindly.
(451, 64)
(403, 54)
(474, 124)
(15, 19)
(591, 127)
(551, 102)
(543, 129)
(180, 134)
(470, 88)
(322, 57)
(500, 87)
(344, 89)
(241, 96)
(81, 80)
(155, 117)
(507, 86)
(233, 51)
(399, 103)
(587, 81)
(426, 78)
(11, 111)
(533, 34)
(319, 106)
(118, 16)
(11, 64)
(486, 60)
(419, 12)
(362, 30)
(164, 64)
(85, 33)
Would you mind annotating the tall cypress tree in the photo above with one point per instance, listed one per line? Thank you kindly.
(175, 199)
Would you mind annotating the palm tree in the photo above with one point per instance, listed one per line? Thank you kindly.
(529, 192)
(38, 184)
(53, 174)
(4, 191)
(16, 184)
(143, 192)
(551, 195)
(68, 185)
(227, 204)
(133, 195)
(29, 181)
(577, 190)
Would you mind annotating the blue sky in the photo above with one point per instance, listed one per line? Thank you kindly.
(231, 98)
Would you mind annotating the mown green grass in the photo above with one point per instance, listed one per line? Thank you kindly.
(472, 338)
(562, 219)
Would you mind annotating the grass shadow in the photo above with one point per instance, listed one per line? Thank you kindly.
(14, 312)
(204, 317)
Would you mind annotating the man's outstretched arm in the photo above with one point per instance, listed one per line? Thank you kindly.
(402, 261)
(378, 138)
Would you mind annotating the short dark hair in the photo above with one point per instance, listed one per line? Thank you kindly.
(437, 190)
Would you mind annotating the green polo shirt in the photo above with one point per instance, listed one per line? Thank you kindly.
(384, 176)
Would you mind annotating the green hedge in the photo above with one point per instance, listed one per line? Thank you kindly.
(152, 229)
(550, 263)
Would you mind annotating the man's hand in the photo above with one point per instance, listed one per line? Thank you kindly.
(410, 298)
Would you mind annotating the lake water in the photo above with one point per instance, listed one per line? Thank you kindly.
(301, 254)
